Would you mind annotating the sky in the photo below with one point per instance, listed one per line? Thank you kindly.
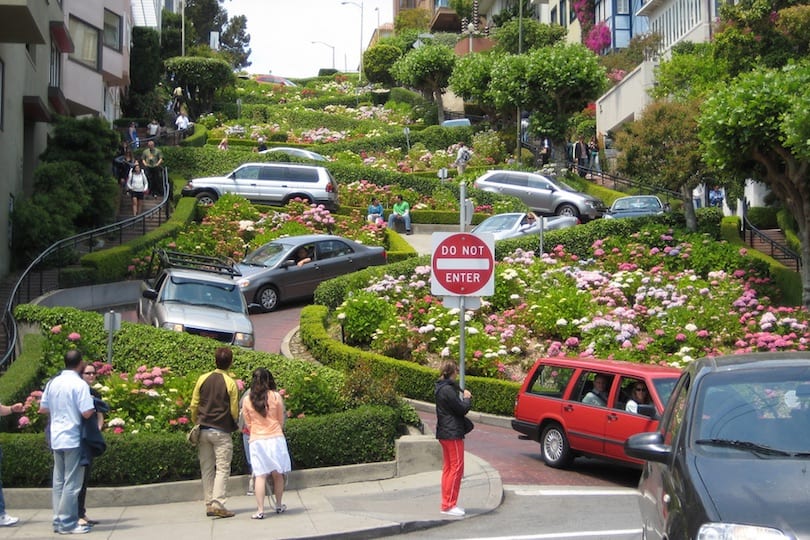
(282, 32)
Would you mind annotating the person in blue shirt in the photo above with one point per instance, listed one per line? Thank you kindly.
(375, 211)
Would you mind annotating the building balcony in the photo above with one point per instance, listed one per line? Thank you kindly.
(445, 19)
(23, 21)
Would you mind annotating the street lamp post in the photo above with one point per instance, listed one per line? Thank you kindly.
(331, 47)
(470, 30)
(360, 5)
(182, 27)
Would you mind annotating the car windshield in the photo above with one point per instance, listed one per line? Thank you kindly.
(267, 255)
(764, 412)
(664, 387)
(496, 223)
(201, 293)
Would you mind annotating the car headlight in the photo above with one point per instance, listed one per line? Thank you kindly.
(244, 283)
(177, 327)
(590, 204)
(735, 531)
(242, 339)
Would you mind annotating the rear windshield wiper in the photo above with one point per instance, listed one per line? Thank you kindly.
(746, 445)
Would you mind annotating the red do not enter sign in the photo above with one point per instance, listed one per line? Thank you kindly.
(463, 265)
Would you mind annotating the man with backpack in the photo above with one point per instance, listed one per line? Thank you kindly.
(462, 158)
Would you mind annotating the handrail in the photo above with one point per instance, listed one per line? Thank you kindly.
(83, 241)
(749, 232)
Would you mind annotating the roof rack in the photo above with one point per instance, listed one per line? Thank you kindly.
(203, 263)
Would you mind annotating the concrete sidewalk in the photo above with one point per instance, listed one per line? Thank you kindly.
(370, 508)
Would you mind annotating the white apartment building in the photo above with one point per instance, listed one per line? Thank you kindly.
(57, 57)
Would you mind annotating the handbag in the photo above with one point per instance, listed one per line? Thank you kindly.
(468, 425)
(194, 435)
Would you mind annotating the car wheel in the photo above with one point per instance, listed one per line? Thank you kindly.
(555, 448)
(206, 198)
(267, 297)
(568, 210)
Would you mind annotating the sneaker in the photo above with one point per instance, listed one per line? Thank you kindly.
(7, 520)
(455, 512)
(78, 529)
(221, 512)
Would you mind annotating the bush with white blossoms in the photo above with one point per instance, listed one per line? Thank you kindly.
(660, 296)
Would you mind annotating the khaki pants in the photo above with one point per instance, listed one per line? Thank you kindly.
(215, 451)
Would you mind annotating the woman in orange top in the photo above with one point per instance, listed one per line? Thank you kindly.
(264, 417)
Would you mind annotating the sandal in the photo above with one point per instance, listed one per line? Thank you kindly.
(257, 515)
(281, 509)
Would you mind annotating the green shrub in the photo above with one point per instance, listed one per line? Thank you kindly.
(763, 217)
(360, 318)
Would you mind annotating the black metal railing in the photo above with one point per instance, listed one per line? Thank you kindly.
(44, 274)
(776, 250)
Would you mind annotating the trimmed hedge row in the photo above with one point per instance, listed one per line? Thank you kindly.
(147, 458)
(316, 441)
(410, 379)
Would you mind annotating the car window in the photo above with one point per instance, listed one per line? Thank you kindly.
(537, 183)
(496, 223)
(249, 172)
(550, 380)
(272, 172)
(498, 178)
(518, 180)
(302, 174)
(671, 423)
(332, 248)
(664, 387)
(587, 390)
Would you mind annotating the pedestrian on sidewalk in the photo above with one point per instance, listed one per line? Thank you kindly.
(5, 519)
(68, 402)
(101, 408)
(452, 405)
(215, 407)
(152, 159)
(264, 417)
(138, 187)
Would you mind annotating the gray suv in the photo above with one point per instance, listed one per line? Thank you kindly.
(542, 194)
(196, 294)
(269, 183)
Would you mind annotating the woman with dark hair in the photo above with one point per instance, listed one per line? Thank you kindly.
(452, 405)
(264, 417)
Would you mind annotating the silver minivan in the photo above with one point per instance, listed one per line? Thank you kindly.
(269, 183)
(542, 194)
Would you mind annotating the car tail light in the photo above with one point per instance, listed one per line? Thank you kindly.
(330, 188)
(385, 256)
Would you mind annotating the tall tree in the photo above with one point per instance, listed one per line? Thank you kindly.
(235, 42)
(662, 149)
(412, 19)
(512, 11)
(758, 125)
(205, 16)
(377, 62)
(427, 69)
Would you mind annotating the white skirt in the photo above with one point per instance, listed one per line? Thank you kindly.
(268, 455)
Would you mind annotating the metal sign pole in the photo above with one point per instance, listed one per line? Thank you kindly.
(462, 344)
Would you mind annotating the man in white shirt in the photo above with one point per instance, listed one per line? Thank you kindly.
(68, 402)
(182, 125)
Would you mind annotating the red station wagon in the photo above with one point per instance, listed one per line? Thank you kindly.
(575, 406)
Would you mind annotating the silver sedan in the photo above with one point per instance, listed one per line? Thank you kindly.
(517, 224)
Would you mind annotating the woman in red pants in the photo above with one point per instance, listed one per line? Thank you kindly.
(452, 404)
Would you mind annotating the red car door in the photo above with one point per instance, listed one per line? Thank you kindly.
(586, 424)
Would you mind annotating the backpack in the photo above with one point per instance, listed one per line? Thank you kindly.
(465, 156)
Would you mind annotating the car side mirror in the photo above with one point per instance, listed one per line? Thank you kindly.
(288, 263)
(648, 446)
(150, 294)
(648, 410)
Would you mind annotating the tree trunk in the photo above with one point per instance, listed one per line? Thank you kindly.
(437, 97)
(688, 208)
(804, 271)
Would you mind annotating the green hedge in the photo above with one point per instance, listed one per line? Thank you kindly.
(410, 379)
(147, 458)
(315, 441)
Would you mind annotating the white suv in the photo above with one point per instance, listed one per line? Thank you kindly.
(269, 183)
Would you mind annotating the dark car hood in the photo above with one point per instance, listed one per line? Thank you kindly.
(770, 491)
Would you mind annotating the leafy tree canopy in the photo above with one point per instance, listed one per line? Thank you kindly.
(535, 35)
(512, 11)
(200, 77)
(377, 61)
(412, 19)
(427, 69)
(758, 125)
(691, 71)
